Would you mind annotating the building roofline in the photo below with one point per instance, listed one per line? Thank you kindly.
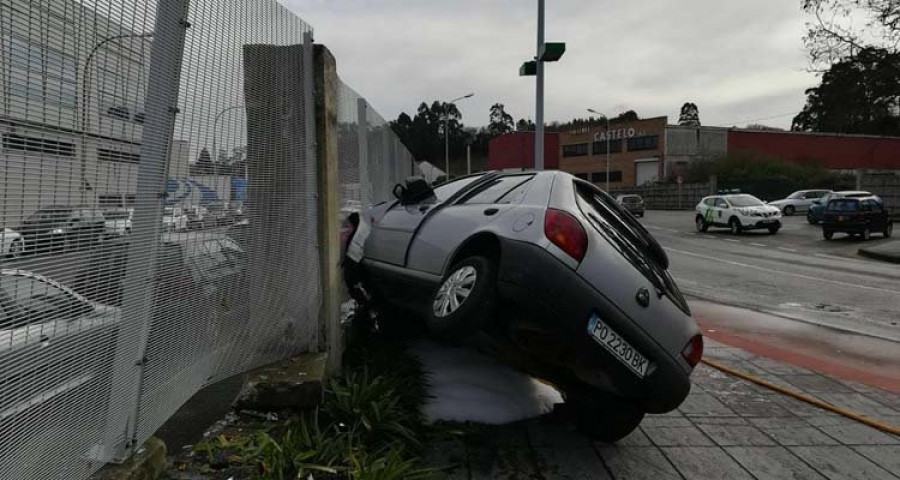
(785, 132)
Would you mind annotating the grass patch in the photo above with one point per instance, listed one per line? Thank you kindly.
(369, 427)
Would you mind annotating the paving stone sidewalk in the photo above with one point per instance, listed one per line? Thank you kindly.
(728, 428)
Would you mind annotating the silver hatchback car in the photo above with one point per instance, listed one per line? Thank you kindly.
(554, 269)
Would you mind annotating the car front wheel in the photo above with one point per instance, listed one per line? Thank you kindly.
(888, 230)
(465, 299)
(828, 234)
(602, 416)
(867, 234)
(789, 210)
(774, 229)
(735, 226)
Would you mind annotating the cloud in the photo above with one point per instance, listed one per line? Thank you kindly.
(736, 60)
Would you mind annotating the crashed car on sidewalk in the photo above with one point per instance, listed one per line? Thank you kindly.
(553, 269)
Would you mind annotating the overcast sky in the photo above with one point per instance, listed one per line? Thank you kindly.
(739, 62)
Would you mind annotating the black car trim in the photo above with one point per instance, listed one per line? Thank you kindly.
(402, 272)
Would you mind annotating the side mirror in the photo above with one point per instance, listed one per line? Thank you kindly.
(399, 191)
(817, 202)
(416, 189)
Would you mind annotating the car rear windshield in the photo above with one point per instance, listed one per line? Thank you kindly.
(843, 205)
(631, 199)
(744, 201)
(629, 238)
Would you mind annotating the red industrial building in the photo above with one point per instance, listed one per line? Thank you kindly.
(833, 151)
(516, 150)
(650, 149)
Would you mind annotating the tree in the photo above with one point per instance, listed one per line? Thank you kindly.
(629, 116)
(837, 32)
(204, 163)
(524, 125)
(860, 94)
(500, 121)
(690, 115)
(759, 126)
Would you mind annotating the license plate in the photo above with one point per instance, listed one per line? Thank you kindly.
(615, 344)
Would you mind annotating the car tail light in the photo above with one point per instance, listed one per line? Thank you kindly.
(693, 351)
(566, 232)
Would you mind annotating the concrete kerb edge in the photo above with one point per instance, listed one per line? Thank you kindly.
(148, 463)
(884, 257)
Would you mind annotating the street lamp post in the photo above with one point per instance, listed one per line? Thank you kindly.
(607, 145)
(447, 132)
(85, 102)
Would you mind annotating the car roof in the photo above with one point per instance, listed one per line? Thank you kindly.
(855, 192)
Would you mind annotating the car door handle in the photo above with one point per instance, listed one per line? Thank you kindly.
(491, 211)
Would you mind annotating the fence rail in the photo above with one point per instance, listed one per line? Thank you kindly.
(161, 225)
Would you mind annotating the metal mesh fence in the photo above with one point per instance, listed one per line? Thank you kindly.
(372, 158)
(158, 215)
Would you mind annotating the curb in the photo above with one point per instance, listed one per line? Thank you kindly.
(148, 463)
(884, 257)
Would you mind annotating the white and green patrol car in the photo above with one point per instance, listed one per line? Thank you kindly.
(736, 212)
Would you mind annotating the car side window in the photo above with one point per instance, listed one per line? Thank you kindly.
(811, 195)
(710, 202)
(495, 190)
(721, 203)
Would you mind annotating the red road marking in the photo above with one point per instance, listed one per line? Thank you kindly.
(765, 348)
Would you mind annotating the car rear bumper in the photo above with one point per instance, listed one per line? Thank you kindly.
(562, 302)
(753, 223)
(855, 227)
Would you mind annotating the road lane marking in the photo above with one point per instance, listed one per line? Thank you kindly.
(757, 244)
(792, 250)
(770, 270)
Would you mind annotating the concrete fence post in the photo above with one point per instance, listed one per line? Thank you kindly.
(326, 85)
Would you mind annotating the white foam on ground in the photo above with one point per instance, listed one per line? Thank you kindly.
(466, 386)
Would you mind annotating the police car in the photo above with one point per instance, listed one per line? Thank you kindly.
(738, 213)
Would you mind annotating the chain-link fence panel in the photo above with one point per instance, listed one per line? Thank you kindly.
(159, 230)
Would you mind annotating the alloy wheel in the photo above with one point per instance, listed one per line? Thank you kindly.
(454, 291)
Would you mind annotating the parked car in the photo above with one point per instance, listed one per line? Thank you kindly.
(633, 203)
(798, 201)
(196, 216)
(174, 219)
(118, 221)
(12, 244)
(57, 350)
(61, 226)
(736, 212)
(216, 214)
(550, 267)
(857, 216)
(816, 211)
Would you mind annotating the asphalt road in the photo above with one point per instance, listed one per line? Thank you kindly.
(793, 274)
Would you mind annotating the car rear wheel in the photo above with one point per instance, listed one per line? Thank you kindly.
(789, 210)
(867, 234)
(735, 226)
(17, 248)
(828, 234)
(465, 299)
(602, 416)
(701, 224)
(810, 219)
(888, 230)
